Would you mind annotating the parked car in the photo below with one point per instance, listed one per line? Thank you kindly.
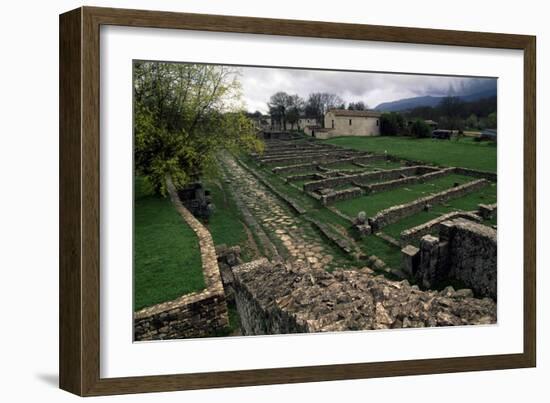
(442, 134)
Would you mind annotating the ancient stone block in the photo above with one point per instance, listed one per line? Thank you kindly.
(411, 258)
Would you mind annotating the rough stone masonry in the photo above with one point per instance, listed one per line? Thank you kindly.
(465, 250)
(275, 298)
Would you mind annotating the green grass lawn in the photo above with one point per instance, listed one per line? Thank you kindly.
(372, 245)
(463, 153)
(167, 261)
(341, 166)
(226, 223)
(371, 204)
(469, 202)
(383, 165)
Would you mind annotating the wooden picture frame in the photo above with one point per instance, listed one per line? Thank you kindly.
(79, 200)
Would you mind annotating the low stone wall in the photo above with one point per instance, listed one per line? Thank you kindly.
(487, 211)
(389, 185)
(490, 176)
(295, 178)
(293, 152)
(361, 178)
(465, 251)
(415, 233)
(315, 157)
(338, 195)
(325, 162)
(337, 240)
(294, 169)
(196, 315)
(273, 298)
(192, 315)
(396, 213)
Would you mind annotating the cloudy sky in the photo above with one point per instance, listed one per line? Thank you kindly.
(260, 83)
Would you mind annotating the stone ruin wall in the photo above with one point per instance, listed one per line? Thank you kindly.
(415, 233)
(339, 195)
(396, 213)
(490, 176)
(316, 157)
(488, 211)
(393, 184)
(464, 251)
(274, 298)
(196, 314)
(358, 178)
(473, 255)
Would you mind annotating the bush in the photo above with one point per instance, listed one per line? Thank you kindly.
(420, 129)
(391, 124)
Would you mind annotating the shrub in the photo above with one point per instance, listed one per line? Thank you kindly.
(420, 129)
(391, 124)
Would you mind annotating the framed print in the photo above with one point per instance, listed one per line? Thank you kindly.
(251, 201)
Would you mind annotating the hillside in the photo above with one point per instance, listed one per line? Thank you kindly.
(410, 103)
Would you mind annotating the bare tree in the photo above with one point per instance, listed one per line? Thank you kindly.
(319, 103)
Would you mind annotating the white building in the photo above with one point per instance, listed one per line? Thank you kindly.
(342, 122)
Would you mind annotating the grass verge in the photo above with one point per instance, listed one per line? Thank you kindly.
(167, 261)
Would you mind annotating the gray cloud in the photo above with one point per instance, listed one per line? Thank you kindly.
(260, 83)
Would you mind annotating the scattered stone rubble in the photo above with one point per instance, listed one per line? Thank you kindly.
(277, 298)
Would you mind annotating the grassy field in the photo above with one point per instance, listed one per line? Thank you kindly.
(167, 262)
(469, 202)
(465, 153)
(371, 204)
(226, 224)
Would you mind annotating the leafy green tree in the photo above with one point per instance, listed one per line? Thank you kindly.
(391, 124)
(472, 121)
(183, 115)
(278, 105)
(357, 106)
(492, 120)
(420, 129)
(295, 108)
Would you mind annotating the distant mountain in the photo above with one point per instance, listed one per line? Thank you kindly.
(410, 103)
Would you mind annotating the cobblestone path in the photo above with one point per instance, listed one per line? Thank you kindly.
(300, 242)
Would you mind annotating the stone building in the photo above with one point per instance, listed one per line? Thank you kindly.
(262, 122)
(342, 122)
(302, 123)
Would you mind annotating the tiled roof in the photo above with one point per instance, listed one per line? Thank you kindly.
(345, 112)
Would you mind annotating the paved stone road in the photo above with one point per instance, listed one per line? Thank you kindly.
(287, 231)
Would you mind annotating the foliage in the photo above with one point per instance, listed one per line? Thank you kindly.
(420, 129)
(392, 124)
(357, 106)
(492, 121)
(184, 114)
(454, 113)
(472, 122)
(285, 108)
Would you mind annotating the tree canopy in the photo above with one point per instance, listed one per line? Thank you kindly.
(392, 124)
(357, 106)
(455, 113)
(318, 103)
(183, 115)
